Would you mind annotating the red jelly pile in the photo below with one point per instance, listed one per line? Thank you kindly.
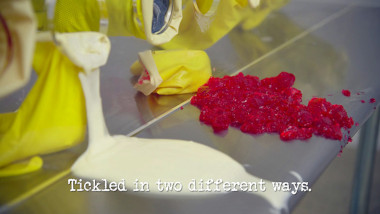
(270, 105)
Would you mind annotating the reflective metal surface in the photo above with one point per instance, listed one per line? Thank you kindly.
(329, 46)
(365, 165)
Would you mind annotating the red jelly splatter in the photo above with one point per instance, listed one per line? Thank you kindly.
(340, 151)
(181, 107)
(372, 100)
(346, 93)
(349, 139)
(356, 124)
(363, 101)
(270, 105)
(144, 77)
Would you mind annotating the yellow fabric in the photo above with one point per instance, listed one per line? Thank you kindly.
(22, 167)
(52, 116)
(198, 31)
(204, 5)
(182, 71)
(84, 15)
(76, 15)
(185, 74)
(124, 20)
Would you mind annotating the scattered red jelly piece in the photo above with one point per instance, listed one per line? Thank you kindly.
(270, 105)
(346, 93)
(363, 101)
(181, 107)
(356, 124)
(340, 151)
(372, 100)
(349, 139)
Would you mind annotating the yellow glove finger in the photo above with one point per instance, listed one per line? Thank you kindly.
(165, 76)
(23, 167)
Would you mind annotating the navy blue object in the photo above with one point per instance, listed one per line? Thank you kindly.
(160, 7)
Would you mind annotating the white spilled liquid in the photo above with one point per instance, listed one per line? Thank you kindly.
(119, 157)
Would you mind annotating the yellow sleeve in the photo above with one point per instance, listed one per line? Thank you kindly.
(52, 116)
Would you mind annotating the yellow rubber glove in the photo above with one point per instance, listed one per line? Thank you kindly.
(22, 167)
(201, 30)
(163, 75)
(205, 22)
(259, 13)
(52, 116)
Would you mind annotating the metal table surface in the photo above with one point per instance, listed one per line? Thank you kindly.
(329, 46)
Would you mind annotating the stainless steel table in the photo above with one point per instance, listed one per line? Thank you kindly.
(329, 46)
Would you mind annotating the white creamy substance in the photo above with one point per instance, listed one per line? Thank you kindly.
(88, 50)
(119, 157)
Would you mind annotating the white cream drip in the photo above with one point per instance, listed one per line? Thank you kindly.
(119, 157)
